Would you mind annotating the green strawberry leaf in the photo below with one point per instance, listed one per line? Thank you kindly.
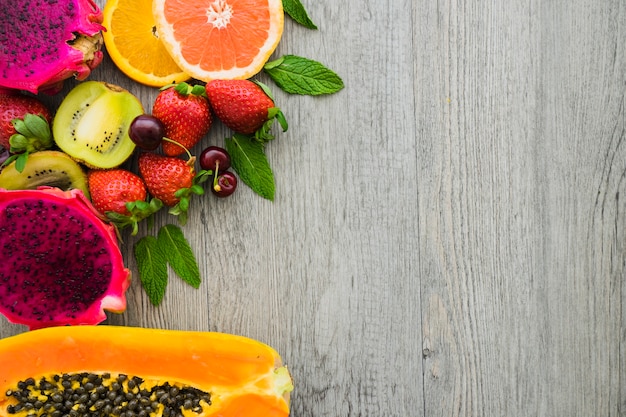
(18, 142)
(152, 267)
(9, 160)
(38, 127)
(36, 132)
(298, 75)
(33, 134)
(139, 210)
(249, 161)
(20, 161)
(266, 89)
(179, 254)
(186, 89)
(276, 113)
(296, 11)
(264, 133)
(184, 195)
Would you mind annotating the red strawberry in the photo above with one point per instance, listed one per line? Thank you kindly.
(186, 114)
(111, 189)
(165, 175)
(17, 106)
(121, 195)
(244, 106)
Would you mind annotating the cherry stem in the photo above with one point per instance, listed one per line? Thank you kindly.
(216, 186)
(174, 142)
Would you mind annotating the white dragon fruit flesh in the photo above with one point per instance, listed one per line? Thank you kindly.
(44, 42)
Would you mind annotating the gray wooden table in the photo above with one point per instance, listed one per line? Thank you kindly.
(448, 235)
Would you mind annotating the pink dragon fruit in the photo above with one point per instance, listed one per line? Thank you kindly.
(61, 263)
(44, 42)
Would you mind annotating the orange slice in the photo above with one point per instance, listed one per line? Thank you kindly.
(132, 43)
(219, 39)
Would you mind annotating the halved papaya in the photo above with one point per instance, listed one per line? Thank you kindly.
(80, 371)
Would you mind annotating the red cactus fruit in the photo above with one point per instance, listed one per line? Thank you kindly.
(61, 264)
(44, 42)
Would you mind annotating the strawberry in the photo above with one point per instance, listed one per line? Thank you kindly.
(111, 189)
(172, 180)
(244, 106)
(121, 196)
(186, 115)
(24, 123)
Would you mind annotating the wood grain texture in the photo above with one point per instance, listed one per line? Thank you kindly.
(448, 235)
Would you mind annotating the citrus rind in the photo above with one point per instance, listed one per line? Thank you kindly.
(134, 47)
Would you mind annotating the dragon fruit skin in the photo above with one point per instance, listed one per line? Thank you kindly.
(61, 262)
(44, 42)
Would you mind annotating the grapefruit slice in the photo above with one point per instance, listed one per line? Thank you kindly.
(219, 39)
(132, 43)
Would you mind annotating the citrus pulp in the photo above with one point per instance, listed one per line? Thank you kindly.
(219, 39)
(132, 43)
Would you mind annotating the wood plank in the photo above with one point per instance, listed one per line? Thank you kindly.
(521, 230)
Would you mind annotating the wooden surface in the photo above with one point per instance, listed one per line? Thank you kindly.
(448, 234)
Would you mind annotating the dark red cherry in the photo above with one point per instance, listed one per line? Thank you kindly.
(225, 185)
(214, 158)
(146, 131)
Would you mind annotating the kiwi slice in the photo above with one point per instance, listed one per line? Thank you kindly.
(51, 168)
(91, 124)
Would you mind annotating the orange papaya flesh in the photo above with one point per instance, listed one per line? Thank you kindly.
(80, 371)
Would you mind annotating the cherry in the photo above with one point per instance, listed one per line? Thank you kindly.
(146, 131)
(215, 159)
(225, 184)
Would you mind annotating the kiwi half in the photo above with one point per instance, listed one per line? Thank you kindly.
(51, 168)
(91, 124)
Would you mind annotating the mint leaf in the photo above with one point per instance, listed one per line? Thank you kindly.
(152, 267)
(298, 75)
(296, 11)
(179, 254)
(249, 161)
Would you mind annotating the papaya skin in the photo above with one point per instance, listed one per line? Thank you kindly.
(240, 374)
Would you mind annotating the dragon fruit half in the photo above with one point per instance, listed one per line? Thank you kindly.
(61, 264)
(44, 42)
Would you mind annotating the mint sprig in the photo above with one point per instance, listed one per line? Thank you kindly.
(179, 254)
(299, 75)
(248, 159)
(153, 254)
(296, 11)
(152, 268)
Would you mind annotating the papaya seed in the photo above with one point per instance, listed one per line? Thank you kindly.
(90, 394)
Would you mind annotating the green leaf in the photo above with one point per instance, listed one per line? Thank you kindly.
(298, 75)
(296, 11)
(179, 254)
(33, 134)
(38, 126)
(152, 267)
(9, 160)
(18, 142)
(20, 162)
(249, 161)
(21, 127)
